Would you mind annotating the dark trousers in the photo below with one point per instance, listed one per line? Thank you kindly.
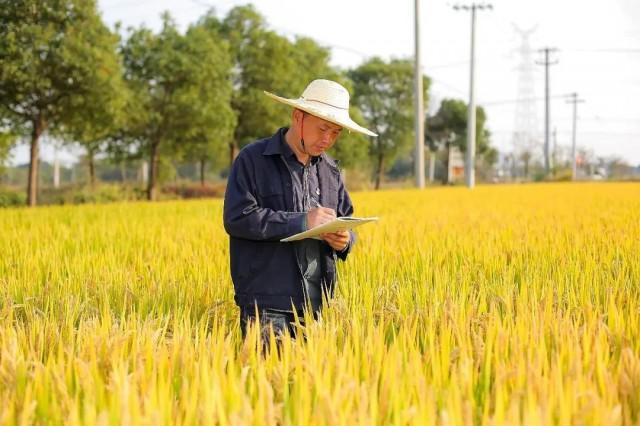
(280, 322)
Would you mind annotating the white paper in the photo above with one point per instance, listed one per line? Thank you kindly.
(338, 224)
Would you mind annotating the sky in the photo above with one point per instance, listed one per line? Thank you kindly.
(598, 55)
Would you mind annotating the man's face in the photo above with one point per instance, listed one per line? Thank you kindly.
(319, 135)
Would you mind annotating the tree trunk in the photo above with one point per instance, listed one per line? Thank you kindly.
(379, 171)
(56, 171)
(432, 165)
(39, 126)
(153, 172)
(233, 152)
(445, 178)
(203, 164)
(123, 172)
(92, 168)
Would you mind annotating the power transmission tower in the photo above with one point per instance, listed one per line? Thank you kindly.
(546, 62)
(573, 99)
(525, 129)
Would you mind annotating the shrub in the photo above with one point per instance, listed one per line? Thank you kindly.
(11, 198)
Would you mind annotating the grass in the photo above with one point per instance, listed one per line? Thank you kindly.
(503, 305)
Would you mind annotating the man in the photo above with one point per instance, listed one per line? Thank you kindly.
(280, 186)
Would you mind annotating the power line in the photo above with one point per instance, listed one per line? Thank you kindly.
(604, 50)
(366, 56)
(590, 133)
(129, 3)
(202, 3)
(513, 101)
(447, 85)
(118, 4)
(450, 65)
(604, 119)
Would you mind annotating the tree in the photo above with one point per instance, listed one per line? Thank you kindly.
(526, 156)
(7, 140)
(264, 60)
(53, 53)
(206, 143)
(98, 117)
(384, 94)
(244, 28)
(449, 128)
(352, 149)
(179, 84)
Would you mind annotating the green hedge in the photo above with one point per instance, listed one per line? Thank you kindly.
(11, 198)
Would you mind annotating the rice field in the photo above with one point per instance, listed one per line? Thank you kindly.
(515, 304)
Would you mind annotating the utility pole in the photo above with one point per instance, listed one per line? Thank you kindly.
(470, 171)
(546, 62)
(419, 103)
(575, 101)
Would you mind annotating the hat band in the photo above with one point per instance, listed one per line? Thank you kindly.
(324, 103)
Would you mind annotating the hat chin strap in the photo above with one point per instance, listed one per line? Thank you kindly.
(304, 149)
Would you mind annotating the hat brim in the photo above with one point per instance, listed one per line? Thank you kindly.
(328, 113)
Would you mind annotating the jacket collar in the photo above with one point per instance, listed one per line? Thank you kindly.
(274, 147)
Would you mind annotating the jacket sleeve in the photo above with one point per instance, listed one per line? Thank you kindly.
(345, 208)
(245, 218)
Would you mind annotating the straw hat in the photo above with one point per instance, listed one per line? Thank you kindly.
(328, 100)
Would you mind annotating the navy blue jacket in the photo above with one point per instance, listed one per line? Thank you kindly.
(259, 211)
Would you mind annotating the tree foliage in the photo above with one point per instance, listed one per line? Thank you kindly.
(7, 141)
(97, 118)
(181, 91)
(383, 91)
(197, 96)
(53, 53)
(448, 128)
(452, 116)
(264, 60)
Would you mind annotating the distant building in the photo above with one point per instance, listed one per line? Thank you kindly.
(456, 165)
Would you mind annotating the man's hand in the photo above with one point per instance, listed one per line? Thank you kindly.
(338, 240)
(319, 215)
